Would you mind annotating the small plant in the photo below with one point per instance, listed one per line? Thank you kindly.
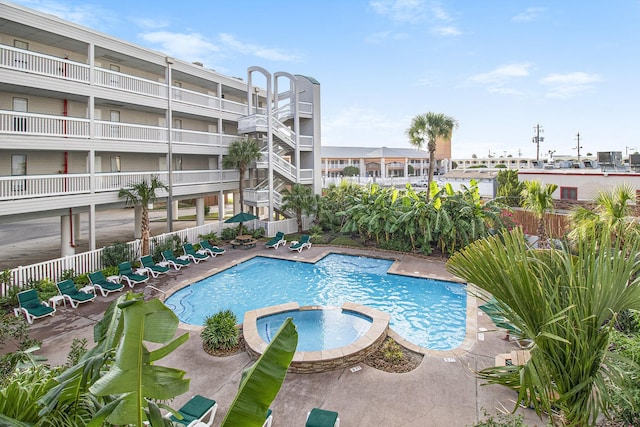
(220, 331)
(211, 237)
(392, 352)
(115, 254)
(161, 246)
(78, 349)
(14, 331)
(68, 274)
(229, 233)
(500, 420)
(258, 233)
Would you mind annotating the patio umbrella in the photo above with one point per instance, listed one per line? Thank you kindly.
(241, 217)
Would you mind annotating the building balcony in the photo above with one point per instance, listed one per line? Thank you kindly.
(30, 124)
(65, 69)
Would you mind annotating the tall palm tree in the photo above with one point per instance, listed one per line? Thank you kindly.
(241, 154)
(430, 127)
(142, 194)
(299, 199)
(537, 198)
(566, 303)
(612, 211)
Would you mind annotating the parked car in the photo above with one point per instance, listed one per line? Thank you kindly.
(421, 183)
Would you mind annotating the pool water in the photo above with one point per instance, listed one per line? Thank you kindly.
(428, 313)
(323, 329)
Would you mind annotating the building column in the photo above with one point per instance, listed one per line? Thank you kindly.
(92, 227)
(406, 168)
(221, 207)
(76, 227)
(137, 222)
(200, 211)
(383, 168)
(66, 247)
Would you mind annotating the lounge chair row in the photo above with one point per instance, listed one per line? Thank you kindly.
(304, 242)
(33, 308)
(199, 411)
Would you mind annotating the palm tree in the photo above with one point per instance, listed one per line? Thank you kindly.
(430, 126)
(612, 211)
(142, 194)
(298, 199)
(567, 304)
(241, 154)
(537, 198)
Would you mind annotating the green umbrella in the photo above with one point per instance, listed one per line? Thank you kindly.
(241, 217)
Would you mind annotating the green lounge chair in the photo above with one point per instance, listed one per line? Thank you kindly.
(269, 419)
(197, 409)
(68, 290)
(101, 283)
(212, 250)
(29, 303)
(276, 241)
(126, 273)
(322, 418)
(175, 262)
(151, 267)
(303, 243)
(190, 252)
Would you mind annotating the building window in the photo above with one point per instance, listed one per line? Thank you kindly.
(20, 60)
(114, 116)
(568, 193)
(116, 165)
(115, 79)
(19, 168)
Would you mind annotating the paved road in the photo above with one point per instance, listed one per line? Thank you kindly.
(33, 241)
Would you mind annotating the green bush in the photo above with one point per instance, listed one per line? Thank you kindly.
(229, 233)
(626, 401)
(161, 246)
(258, 233)
(211, 237)
(391, 351)
(400, 245)
(220, 331)
(81, 280)
(115, 254)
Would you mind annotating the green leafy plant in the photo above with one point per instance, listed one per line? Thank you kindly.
(261, 382)
(392, 352)
(258, 233)
(116, 253)
(212, 237)
(78, 348)
(229, 233)
(220, 331)
(500, 420)
(15, 331)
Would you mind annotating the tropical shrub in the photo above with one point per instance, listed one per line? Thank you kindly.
(500, 420)
(258, 233)
(211, 237)
(16, 331)
(229, 233)
(391, 351)
(220, 331)
(116, 253)
(346, 241)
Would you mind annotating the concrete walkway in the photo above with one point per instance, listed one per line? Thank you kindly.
(438, 393)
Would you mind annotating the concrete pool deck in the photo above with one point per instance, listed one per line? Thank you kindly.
(442, 391)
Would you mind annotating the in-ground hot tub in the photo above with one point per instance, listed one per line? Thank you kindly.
(348, 334)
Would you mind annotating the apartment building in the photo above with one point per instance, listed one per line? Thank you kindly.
(83, 114)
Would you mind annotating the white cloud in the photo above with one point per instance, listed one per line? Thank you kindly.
(150, 24)
(569, 84)
(363, 127)
(502, 74)
(411, 11)
(88, 15)
(446, 31)
(530, 14)
(188, 47)
(261, 52)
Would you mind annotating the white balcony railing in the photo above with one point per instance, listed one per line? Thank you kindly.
(13, 122)
(195, 98)
(24, 60)
(129, 132)
(29, 186)
(36, 186)
(127, 83)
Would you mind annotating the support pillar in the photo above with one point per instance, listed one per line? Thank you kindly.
(76, 228)
(200, 211)
(221, 207)
(66, 249)
(92, 227)
(137, 222)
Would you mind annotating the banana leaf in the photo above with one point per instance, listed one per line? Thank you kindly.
(261, 382)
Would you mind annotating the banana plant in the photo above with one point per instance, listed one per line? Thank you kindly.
(134, 377)
(261, 382)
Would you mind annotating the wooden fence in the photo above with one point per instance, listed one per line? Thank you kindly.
(556, 224)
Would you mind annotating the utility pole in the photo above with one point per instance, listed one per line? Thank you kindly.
(537, 139)
(578, 147)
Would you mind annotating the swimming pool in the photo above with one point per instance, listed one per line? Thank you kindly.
(428, 313)
(324, 329)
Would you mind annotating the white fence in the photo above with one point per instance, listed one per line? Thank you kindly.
(87, 262)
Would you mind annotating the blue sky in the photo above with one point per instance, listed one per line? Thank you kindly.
(498, 67)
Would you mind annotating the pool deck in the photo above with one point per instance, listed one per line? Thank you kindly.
(442, 391)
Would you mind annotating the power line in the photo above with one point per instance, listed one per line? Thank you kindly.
(537, 139)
